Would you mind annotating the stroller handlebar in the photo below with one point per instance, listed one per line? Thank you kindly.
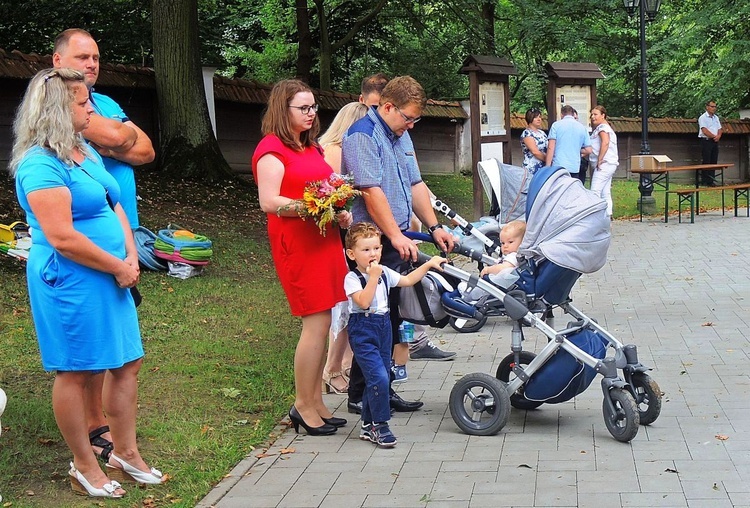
(473, 254)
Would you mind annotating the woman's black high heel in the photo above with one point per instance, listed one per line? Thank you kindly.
(296, 419)
(336, 422)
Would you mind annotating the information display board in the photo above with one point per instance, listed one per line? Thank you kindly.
(577, 96)
(491, 109)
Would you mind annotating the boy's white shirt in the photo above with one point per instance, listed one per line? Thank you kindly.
(379, 304)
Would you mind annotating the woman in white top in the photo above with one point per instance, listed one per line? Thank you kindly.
(604, 159)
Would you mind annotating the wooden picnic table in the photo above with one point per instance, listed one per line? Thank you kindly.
(661, 179)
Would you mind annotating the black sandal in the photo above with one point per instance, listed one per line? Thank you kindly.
(96, 439)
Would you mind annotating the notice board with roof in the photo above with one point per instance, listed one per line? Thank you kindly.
(572, 84)
(489, 102)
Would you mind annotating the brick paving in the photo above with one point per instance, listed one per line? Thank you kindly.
(680, 292)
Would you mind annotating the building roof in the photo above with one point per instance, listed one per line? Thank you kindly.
(490, 65)
(573, 70)
(19, 65)
(24, 66)
(655, 125)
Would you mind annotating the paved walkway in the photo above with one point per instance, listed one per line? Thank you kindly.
(680, 292)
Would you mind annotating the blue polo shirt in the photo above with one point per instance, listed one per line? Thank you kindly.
(376, 157)
(570, 136)
(121, 171)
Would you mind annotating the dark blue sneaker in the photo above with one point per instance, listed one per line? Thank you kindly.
(378, 433)
(399, 374)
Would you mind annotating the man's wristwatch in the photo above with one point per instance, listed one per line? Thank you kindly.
(434, 228)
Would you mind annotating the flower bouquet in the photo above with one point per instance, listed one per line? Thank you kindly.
(323, 199)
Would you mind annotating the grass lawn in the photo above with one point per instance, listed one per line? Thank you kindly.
(217, 376)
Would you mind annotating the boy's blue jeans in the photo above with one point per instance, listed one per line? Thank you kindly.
(370, 337)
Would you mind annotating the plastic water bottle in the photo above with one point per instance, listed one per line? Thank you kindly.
(406, 332)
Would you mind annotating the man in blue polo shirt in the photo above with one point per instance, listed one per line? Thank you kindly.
(122, 145)
(120, 142)
(568, 142)
(379, 154)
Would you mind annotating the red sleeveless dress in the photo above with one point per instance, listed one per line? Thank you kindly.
(311, 267)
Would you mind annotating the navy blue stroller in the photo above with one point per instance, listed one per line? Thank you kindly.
(567, 235)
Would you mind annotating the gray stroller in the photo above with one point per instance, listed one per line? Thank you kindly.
(567, 235)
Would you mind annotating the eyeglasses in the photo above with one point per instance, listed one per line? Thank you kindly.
(407, 119)
(711, 106)
(305, 110)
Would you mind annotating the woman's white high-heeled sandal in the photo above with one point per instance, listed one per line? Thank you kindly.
(130, 474)
(81, 485)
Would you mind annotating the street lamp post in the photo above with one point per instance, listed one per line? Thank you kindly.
(647, 9)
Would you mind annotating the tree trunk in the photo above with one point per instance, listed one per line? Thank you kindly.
(304, 47)
(325, 55)
(488, 23)
(188, 146)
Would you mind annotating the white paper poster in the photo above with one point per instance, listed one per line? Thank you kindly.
(577, 96)
(491, 109)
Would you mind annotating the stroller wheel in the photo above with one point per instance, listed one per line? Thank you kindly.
(505, 374)
(479, 404)
(647, 396)
(467, 325)
(623, 424)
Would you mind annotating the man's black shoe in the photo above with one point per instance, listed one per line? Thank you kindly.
(404, 406)
(354, 407)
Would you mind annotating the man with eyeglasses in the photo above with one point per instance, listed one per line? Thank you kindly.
(709, 132)
(379, 154)
(122, 145)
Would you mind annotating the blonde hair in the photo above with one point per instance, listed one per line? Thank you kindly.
(276, 118)
(345, 118)
(515, 228)
(358, 231)
(45, 117)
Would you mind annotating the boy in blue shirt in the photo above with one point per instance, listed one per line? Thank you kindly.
(370, 333)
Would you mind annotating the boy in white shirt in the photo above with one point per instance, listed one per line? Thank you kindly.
(369, 325)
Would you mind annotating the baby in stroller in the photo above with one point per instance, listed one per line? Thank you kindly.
(500, 274)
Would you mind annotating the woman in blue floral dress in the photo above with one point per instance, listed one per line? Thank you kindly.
(533, 141)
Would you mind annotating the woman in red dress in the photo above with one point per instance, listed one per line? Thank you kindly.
(311, 267)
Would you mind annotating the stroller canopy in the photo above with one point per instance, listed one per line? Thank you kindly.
(506, 187)
(565, 223)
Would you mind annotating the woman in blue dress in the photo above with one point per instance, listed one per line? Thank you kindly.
(82, 262)
(533, 142)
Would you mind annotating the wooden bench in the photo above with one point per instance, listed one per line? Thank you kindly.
(691, 196)
(660, 178)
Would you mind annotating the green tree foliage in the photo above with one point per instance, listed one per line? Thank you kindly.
(122, 28)
(696, 50)
(701, 55)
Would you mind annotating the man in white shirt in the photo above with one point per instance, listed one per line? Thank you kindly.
(709, 132)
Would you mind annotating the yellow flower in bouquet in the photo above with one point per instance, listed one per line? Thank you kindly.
(323, 199)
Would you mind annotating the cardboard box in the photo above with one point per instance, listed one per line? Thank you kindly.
(649, 161)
